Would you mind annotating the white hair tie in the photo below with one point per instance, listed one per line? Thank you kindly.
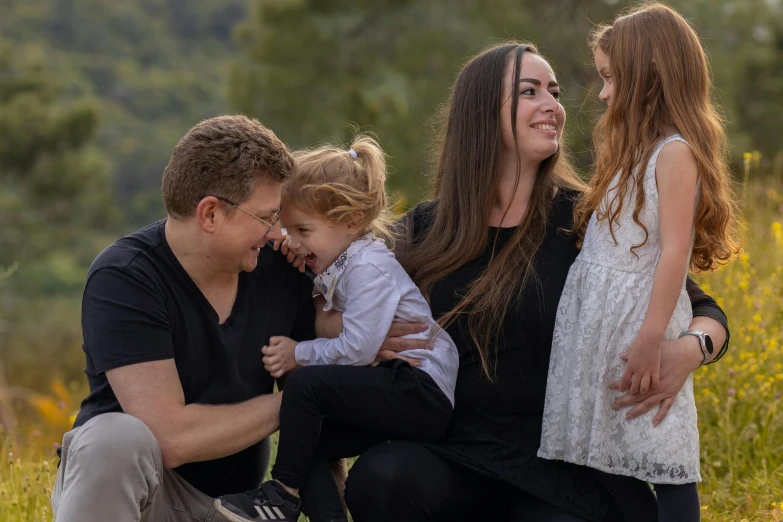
(353, 154)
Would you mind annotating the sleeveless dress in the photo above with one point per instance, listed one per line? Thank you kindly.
(600, 312)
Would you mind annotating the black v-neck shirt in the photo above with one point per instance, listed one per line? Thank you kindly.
(140, 305)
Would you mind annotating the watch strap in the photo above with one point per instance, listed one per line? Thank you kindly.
(702, 345)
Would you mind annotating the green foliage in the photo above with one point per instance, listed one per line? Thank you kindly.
(53, 181)
(310, 69)
(157, 67)
(54, 195)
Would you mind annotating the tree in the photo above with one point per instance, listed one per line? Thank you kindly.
(54, 183)
(54, 190)
(745, 42)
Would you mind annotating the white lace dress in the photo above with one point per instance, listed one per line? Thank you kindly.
(601, 310)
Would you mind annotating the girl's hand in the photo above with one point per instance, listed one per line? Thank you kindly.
(642, 374)
(279, 357)
(678, 359)
(297, 261)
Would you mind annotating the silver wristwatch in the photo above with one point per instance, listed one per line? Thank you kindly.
(705, 343)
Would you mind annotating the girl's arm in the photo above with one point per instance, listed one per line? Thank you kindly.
(676, 175)
(328, 323)
(370, 306)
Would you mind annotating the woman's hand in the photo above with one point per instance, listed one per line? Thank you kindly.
(395, 343)
(679, 359)
(297, 261)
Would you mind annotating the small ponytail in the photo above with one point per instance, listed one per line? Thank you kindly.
(335, 183)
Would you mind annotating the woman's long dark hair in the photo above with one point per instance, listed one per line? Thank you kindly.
(465, 180)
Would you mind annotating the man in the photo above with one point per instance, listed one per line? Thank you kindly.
(174, 317)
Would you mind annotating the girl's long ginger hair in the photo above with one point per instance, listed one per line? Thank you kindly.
(466, 176)
(328, 181)
(661, 80)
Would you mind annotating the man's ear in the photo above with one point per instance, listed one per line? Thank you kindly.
(207, 214)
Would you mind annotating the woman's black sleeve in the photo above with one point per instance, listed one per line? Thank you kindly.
(705, 306)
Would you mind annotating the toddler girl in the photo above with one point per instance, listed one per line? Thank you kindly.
(334, 207)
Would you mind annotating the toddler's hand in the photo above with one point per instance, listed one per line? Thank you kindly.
(290, 255)
(642, 374)
(279, 357)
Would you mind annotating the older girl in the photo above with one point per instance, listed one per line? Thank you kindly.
(659, 201)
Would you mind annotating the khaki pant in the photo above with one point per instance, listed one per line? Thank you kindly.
(112, 470)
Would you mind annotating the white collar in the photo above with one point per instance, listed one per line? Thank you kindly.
(326, 282)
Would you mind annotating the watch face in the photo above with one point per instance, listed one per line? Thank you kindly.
(708, 343)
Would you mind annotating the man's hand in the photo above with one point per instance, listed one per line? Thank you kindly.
(290, 255)
(678, 359)
(279, 357)
(395, 343)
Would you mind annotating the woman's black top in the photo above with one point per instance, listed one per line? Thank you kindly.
(496, 426)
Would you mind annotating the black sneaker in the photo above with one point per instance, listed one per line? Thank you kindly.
(269, 502)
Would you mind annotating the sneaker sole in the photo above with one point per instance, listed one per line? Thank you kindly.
(233, 517)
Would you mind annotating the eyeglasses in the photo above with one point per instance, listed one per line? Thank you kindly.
(262, 220)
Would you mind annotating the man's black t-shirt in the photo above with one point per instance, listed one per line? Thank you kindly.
(140, 305)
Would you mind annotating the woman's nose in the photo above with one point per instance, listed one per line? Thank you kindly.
(551, 104)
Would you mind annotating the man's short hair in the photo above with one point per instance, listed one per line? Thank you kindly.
(223, 156)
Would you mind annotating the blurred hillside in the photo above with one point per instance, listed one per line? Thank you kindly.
(155, 66)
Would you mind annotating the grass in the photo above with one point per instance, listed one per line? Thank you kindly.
(26, 479)
(739, 399)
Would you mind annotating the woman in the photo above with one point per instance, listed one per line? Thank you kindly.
(491, 252)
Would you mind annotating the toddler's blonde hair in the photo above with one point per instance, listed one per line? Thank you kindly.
(330, 182)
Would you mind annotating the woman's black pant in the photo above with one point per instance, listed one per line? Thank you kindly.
(406, 482)
(331, 412)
